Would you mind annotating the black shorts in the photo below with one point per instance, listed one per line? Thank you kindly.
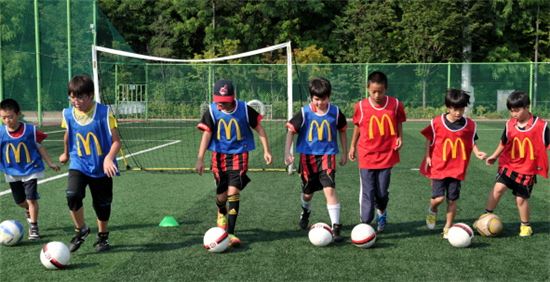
(448, 186)
(522, 191)
(318, 181)
(235, 178)
(101, 188)
(22, 191)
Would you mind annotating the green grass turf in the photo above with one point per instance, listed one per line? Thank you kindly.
(273, 246)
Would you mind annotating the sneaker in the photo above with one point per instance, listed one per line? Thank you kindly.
(222, 221)
(28, 216)
(304, 219)
(525, 231)
(381, 219)
(431, 219)
(234, 241)
(336, 230)
(445, 233)
(33, 232)
(79, 238)
(102, 243)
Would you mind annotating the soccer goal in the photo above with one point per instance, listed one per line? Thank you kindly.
(159, 101)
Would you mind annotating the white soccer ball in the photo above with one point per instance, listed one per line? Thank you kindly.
(11, 232)
(55, 255)
(216, 240)
(320, 234)
(460, 235)
(363, 235)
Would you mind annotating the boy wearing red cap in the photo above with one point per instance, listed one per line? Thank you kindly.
(227, 133)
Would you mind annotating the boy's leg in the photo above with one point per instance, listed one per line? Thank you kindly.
(382, 191)
(431, 218)
(305, 200)
(19, 197)
(77, 183)
(523, 209)
(333, 208)
(221, 203)
(366, 195)
(494, 196)
(450, 216)
(102, 197)
(237, 181)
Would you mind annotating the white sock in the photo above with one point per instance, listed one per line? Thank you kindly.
(334, 213)
(305, 204)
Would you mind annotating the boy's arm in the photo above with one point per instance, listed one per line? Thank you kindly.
(353, 145)
(265, 143)
(289, 157)
(64, 157)
(399, 141)
(479, 154)
(491, 159)
(427, 155)
(46, 158)
(205, 140)
(109, 166)
(344, 147)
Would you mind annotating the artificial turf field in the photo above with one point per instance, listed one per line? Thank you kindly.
(273, 246)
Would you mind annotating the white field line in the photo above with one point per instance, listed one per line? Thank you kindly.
(119, 158)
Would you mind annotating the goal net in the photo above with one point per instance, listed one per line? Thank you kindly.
(158, 102)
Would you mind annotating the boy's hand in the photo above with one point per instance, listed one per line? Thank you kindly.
(109, 167)
(351, 154)
(428, 162)
(481, 155)
(343, 160)
(199, 166)
(490, 160)
(53, 166)
(63, 158)
(267, 158)
(289, 159)
(398, 143)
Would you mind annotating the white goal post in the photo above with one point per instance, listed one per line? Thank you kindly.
(286, 45)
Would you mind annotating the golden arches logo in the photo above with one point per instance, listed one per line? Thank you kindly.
(320, 130)
(521, 148)
(17, 152)
(86, 143)
(227, 128)
(454, 148)
(380, 123)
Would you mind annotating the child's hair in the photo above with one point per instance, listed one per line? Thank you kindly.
(456, 98)
(80, 85)
(320, 87)
(377, 77)
(10, 105)
(518, 99)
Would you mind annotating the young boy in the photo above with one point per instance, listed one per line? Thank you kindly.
(21, 162)
(227, 133)
(523, 154)
(317, 126)
(450, 141)
(376, 140)
(91, 143)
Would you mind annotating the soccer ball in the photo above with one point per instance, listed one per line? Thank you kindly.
(55, 255)
(460, 235)
(216, 240)
(363, 235)
(320, 234)
(11, 232)
(488, 225)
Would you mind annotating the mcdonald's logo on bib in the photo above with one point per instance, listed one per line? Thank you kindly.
(320, 131)
(522, 148)
(380, 124)
(81, 141)
(454, 148)
(227, 128)
(17, 152)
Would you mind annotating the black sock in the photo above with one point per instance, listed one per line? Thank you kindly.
(233, 212)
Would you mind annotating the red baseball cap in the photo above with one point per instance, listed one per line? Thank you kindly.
(224, 91)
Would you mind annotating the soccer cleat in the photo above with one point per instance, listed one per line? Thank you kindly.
(79, 238)
(102, 243)
(33, 232)
(445, 233)
(304, 219)
(222, 221)
(525, 231)
(336, 230)
(234, 241)
(381, 218)
(431, 219)
(28, 216)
